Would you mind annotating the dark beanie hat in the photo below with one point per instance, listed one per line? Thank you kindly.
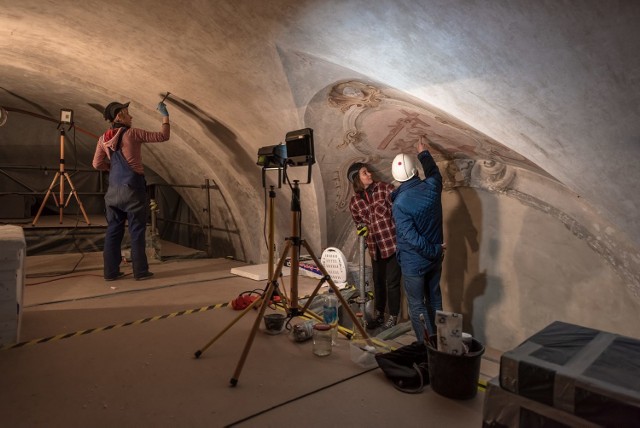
(354, 169)
(112, 110)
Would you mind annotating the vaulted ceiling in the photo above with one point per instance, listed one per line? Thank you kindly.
(547, 88)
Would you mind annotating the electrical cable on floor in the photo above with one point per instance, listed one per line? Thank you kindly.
(159, 287)
(264, 222)
(61, 275)
(284, 403)
(58, 277)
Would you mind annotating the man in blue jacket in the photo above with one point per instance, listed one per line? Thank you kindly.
(417, 212)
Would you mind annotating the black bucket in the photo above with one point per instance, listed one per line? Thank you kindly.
(455, 376)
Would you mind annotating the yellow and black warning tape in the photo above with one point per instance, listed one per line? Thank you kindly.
(113, 326)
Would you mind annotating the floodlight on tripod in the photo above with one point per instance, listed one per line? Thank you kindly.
(296, 151)
(300, 147)
(272, 158)
(66, 116)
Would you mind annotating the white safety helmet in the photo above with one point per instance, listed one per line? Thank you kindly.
(403, 167)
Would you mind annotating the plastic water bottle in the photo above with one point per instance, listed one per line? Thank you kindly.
(330, 314)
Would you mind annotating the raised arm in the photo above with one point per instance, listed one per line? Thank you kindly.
(426, 160)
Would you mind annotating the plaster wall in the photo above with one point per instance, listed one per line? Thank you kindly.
(511, 269)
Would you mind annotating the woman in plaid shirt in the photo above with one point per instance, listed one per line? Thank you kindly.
(371, 207)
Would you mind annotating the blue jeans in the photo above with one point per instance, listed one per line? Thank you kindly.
(424, 297)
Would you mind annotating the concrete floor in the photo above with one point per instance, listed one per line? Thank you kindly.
(128, 366)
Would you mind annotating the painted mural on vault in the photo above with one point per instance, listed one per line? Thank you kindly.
(369, 124)
(377, 125)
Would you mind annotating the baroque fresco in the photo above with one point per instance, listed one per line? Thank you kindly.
(366, 123)
(377, 125)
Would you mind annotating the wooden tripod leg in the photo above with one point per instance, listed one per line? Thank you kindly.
(61, 198)
(313, 295)
(74, 193)
(246, 310)
(335, 288)
(44, 201)
(263, 307)
(252, 334)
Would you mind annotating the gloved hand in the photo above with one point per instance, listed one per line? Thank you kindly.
(362, 230)
(162, 108)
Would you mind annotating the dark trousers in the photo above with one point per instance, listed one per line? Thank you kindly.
(136, 216)
(125, 200)
(386, 284)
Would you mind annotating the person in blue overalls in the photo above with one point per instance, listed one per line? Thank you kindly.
(119, 151)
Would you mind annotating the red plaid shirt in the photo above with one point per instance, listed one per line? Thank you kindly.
(374, 210)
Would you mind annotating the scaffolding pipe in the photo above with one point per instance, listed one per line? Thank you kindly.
(361, 272)
(209, 241)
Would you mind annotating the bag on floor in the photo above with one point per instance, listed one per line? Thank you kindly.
(407, 367)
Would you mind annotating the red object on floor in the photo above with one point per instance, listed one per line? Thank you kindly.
(242, 301)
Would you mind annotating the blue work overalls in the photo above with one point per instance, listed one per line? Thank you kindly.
(126, 199)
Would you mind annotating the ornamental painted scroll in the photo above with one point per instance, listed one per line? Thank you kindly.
(354, 94)
(491, 175)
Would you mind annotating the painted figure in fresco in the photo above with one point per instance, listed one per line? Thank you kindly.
(370, 208)
(417, 213)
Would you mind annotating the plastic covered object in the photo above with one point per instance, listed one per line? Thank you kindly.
(592, 374)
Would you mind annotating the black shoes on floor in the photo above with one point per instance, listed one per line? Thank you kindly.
(379, 321)
(118, 275)
(141, 277)
(375, 322)
(144, 276)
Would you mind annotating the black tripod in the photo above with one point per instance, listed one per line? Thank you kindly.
(293, 243)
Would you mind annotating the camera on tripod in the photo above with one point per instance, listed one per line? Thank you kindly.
(297, 150)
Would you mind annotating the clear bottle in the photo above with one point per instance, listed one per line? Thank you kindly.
(330, 314)
(356, 333)
(321, 339)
